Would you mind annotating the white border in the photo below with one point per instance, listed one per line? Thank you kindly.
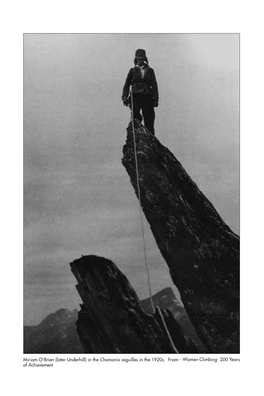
(116, 16)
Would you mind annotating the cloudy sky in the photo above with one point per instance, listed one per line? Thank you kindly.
(77, 195)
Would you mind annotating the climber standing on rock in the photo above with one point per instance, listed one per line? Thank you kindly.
(142, 81)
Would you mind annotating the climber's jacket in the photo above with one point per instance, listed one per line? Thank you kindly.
(145, 84)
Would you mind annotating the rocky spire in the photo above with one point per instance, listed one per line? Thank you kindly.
(111, 319)
(201, 251)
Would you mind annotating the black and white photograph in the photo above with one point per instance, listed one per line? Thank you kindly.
(131, 193)
(131, 175)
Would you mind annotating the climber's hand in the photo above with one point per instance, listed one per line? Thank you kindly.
(125, 102)
(155, 103)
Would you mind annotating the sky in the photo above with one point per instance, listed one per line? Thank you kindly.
(78, 199)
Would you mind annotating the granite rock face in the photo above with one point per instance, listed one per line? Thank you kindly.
(201, 251)
(57, 333)
(166, 300)
(111, 319)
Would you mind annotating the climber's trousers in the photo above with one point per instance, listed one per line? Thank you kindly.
(144, 103)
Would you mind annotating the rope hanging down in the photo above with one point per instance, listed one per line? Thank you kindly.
(139, 198)
(142, 229)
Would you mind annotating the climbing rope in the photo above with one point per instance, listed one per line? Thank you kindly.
(142, 229)
(139, 199)
(167, 330)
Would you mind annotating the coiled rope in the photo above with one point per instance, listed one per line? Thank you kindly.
(142, 229)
